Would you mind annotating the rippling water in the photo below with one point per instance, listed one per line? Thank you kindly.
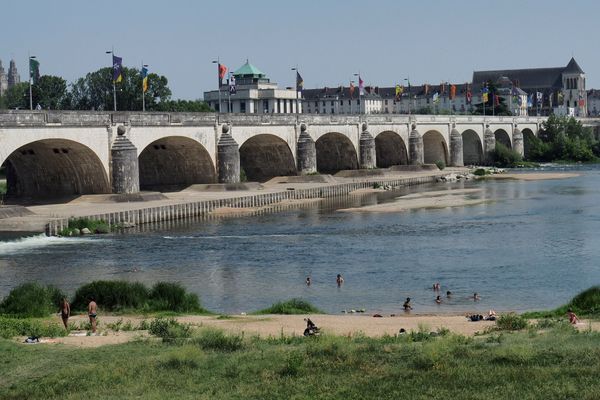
(534, 245)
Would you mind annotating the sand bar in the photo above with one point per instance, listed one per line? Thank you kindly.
(535, 176)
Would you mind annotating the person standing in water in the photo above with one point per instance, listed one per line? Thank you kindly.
(65, 312)
(406, 305)
(308, 282)
(339, 280)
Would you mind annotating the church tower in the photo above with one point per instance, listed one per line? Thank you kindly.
(3, 80)
(574, 93)
(13, 75)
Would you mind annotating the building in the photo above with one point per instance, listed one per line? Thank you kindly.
(593, 98)
(254, 94)
(342, 100)
(562, 88)
(3, 80)
(13, 75)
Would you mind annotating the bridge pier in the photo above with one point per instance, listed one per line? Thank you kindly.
(489, 144)
(415, 147)
(518, 144)
(306, 153)
(228, 158)
(125, 166)
(368, 155)
(456, 148)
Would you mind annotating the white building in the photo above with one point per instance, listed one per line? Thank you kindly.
(342, 101)
(254, 94)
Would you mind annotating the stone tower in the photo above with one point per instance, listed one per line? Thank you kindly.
(574, 93)
(13, 75)
(3, 80)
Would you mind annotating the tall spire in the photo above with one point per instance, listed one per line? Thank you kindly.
(13, 74)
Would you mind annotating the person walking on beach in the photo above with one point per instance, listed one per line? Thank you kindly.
(406, 305)
(339, 280)
(65, 312)
(92, 313)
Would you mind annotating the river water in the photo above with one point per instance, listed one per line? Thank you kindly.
(534, 245)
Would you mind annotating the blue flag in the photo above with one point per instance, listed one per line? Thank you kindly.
(117, 69)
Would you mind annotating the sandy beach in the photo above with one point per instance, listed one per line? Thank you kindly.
(534, 176)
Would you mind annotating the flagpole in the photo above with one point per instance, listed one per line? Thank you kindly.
(114, 83)
(229, 94)
(143, 93)
(30, 96)
(296, 86)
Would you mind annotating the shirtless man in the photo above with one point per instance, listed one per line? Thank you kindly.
(65, 312)
(92, 313)
(407, 306)
(339, 280)
(572, 317)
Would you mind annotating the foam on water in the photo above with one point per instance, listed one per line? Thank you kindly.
(217, 237)
(33, 242)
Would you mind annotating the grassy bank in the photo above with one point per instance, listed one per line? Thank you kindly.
(554, 363)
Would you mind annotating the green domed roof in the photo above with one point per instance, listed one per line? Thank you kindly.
(249, 70)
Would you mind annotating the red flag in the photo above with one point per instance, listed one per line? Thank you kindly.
(222, 71)
(351, 89)
(452, 92)
(496, 100)
(361, 86)
(469, 96)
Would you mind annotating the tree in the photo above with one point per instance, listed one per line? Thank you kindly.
(490, 108)
(51, 93)
(95, 91)
(17, 97)
(182, 106)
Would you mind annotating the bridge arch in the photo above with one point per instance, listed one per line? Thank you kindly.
(264, 156)
(174, 163)
(528, 136)
(335, 152)
(435, 147)
(472, 148)
(503, 137)
(390, 149)
(54, 169)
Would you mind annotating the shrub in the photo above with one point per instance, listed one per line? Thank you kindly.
(480, 172)
(76, 225)
(293, 306)
(173, 297)
(505, 157)
(511, 322)
(587, 302)
(11, 327)
(168, 329)
(440, 164)
(31, 300)
(214, 339)
(112, 295)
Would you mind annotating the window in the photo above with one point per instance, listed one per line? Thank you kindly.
(316, 104)
(386, 102)
(341, 103)
(242, 106)
(332, 111)
(331, 102)
(323, 102)
(357, 101)
(265, 106)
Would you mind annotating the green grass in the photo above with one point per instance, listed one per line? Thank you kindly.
(586, 303)
(293, 306)
(557, 364)
(40, 327)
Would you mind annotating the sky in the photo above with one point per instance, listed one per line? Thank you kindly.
(386, 41)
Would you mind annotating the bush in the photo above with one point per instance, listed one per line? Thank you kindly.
(168, 329)
(293, 306)
(214, 339)
(31, 300)
(587, 302)
(440, 164)
(11, 327)
(112, 295)
(511, 322)
(505, 157)
(76, 225)
(173, 297)
(480, 172)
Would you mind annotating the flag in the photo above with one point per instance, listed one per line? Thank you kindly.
(436, 97)
(581, 101)
(452, 92)
(426, 90)
(299, 82)
(496, 99)
(442, 88)
(530, 101)
(145, 79)
(34, 70)
(469, 96)
(561, 97)
(361, 86)
(117, 69)
(222, 70)
(399, 90)
(540, 98)
(232, 88)
(351, 89)
(550, 99)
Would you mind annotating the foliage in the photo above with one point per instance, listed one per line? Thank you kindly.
(76, 225)
(173, 297)
(481, 172)
(563, 138)
(17, 97)
(182, 106)
(293, 306)
(31, 300)
(168, 329)
(559, 364)
(511, 322)
(216, 339)
(440, 164)
(504, 157)
(11, 327)
(112, 295)
(587, 302)
(491, 108)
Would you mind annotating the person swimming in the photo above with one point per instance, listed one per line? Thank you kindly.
(448, 294)
(308, 281)
(438, 300)
(476, 296)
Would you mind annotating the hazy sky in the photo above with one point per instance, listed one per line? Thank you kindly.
(430, 41)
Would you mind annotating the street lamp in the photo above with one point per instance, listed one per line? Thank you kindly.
(296, 86)
(112, 53)
(218, 62)
(30, 83)
(351, 83)
(409, 95)
(360, 100)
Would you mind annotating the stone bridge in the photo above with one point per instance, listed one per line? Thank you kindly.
(64, 153)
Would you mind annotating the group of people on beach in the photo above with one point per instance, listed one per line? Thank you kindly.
(65, 312)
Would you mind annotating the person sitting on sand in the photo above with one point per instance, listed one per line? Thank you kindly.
(491, 316)
(407, 306)
(308, 281)
(438, 300)
(339, 280)
(311, 328)
(476, 296)
(92, 313)
(573, 319)
(65, 312)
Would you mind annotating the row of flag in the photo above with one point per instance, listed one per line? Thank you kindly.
(222, 72)
(118, 72)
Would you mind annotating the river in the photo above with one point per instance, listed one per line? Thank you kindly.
(534, 245)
